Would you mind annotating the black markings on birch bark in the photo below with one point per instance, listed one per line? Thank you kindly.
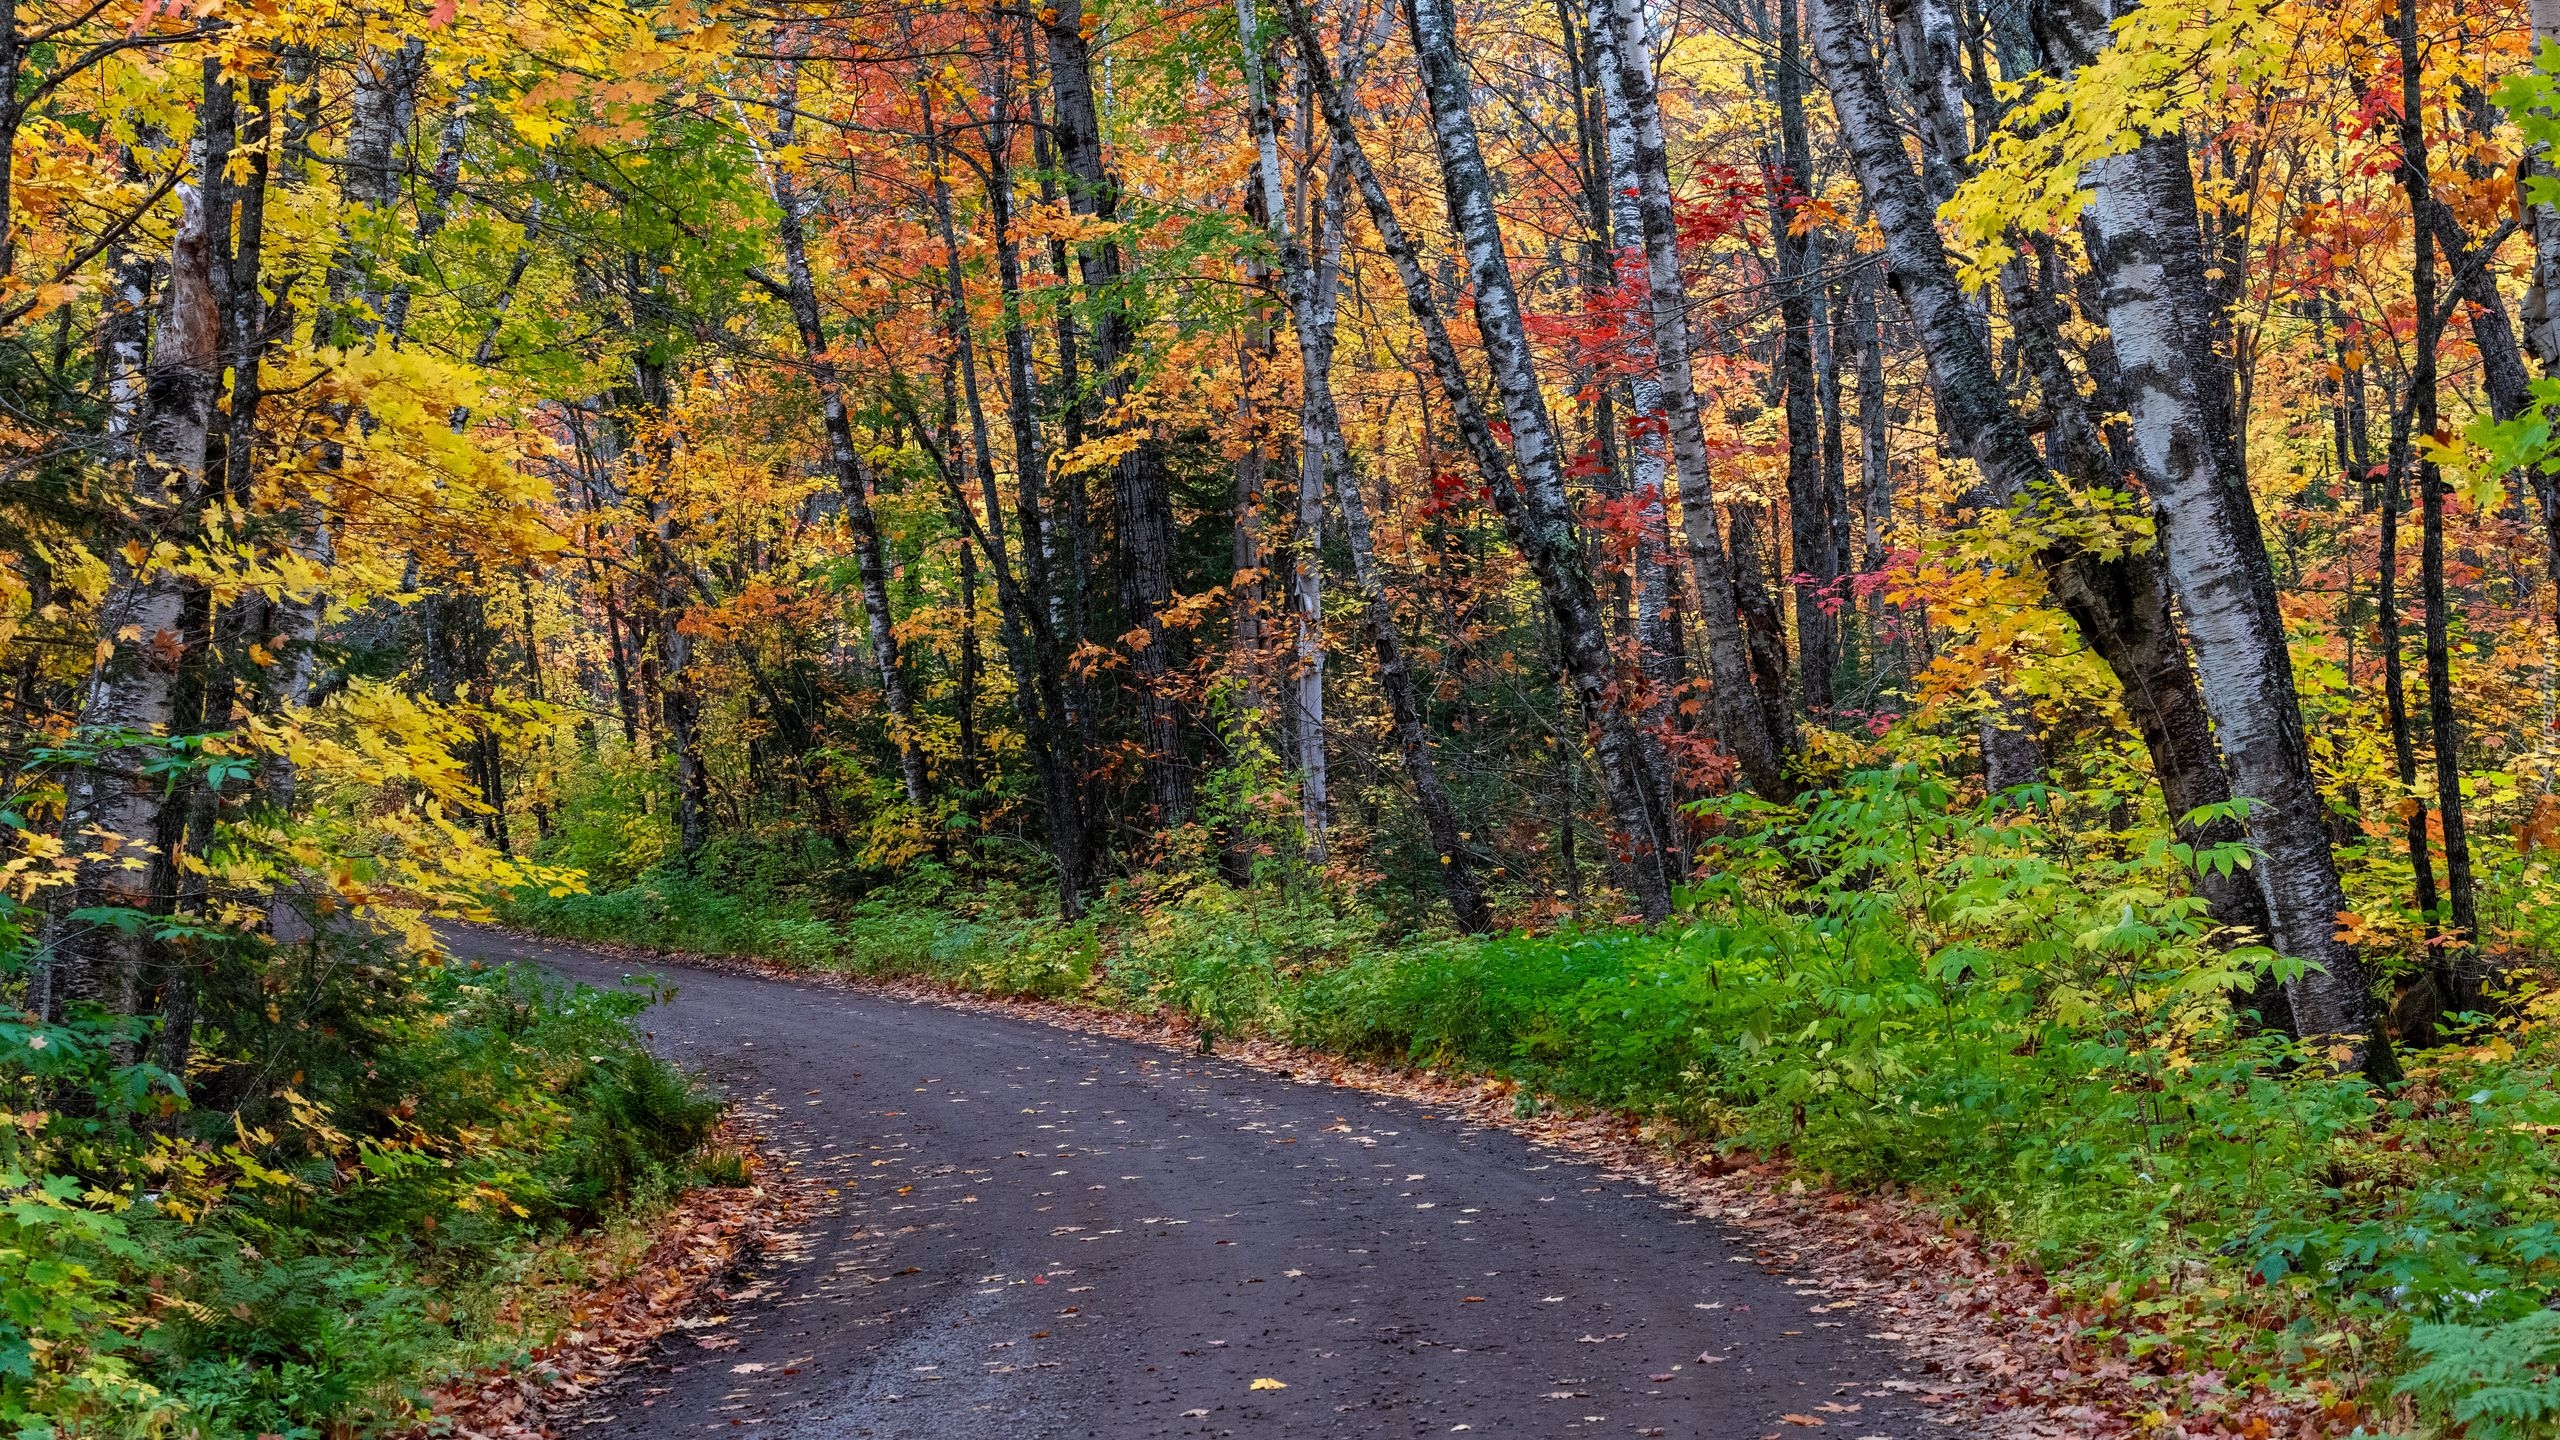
(2121, 605)
(1538, 511)
(1742, 722)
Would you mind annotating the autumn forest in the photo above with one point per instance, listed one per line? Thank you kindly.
(1956, 599)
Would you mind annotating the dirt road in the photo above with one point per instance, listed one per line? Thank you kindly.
(1032, 1232)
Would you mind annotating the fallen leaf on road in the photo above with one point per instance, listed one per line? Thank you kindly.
(1706, 1359)
(1267, 1383)
(1834, 1407)
(750, 1368)
(1193, 1414)
(1801, 1420)
(1470, 1299)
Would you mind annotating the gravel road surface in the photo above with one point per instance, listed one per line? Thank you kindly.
(1032, 1232)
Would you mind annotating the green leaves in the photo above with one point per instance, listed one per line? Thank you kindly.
(2500, 1381)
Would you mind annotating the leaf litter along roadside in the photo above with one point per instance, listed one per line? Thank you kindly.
(701, 1246)
(2002, 1354)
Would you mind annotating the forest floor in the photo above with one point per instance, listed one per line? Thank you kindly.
(1272, 1242)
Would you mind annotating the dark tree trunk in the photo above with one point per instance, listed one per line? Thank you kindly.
(1142, 503)
(1809, 514)
(1764, 625)
(2453, 958)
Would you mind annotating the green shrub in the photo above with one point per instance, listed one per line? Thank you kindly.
(307, 1259)
(2031, 1026)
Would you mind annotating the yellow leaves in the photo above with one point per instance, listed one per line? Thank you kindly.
(537, 127)
(1095, 455)
(2165, 56)
(1267, 1383)
(1057, 221)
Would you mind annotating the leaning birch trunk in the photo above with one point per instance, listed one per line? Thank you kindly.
(110, 806)
(1562, 582)
(1741, 719)
(2159, 312)
(853, 479)
(2120, 605)
(1540, 514)
(1440, 818)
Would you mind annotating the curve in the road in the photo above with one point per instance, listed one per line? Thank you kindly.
(1033, 1232)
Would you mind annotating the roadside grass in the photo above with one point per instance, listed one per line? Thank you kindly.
(423, 1190)
(2028, 1028)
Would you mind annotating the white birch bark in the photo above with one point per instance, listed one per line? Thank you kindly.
(1540, 514)
(1741, 721)
(1648, 433)
(2148, 251)
(1312, 286)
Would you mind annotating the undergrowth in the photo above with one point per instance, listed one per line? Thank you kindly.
(2031, 1029)
(359, 1190)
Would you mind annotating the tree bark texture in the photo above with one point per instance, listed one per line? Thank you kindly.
(1540, 513)
(2121, 606)
(2453, 959)
(2160, 315)
(1660, 654)
(1742, 722)
(131, 698)
(1311, 280)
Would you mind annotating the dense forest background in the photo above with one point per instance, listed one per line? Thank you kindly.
(2011, 522)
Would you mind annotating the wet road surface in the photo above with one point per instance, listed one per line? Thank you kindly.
(1031, 1232)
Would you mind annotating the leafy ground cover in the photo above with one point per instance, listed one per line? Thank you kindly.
(382, 1174)
(1891, 988)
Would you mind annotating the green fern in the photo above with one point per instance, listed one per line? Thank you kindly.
(2498, 1380)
